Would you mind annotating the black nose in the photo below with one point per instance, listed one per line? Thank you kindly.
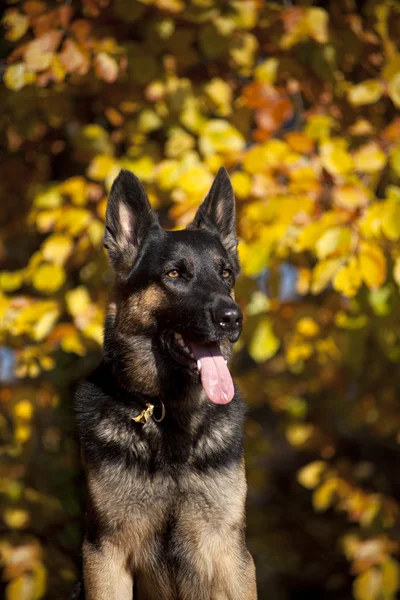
(228, 318)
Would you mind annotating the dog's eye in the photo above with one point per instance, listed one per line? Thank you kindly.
(173, 274)
(226, 273)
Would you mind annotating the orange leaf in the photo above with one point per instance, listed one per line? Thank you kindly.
(81, 29)
(74, 58)
(39, 53)
(34, 8)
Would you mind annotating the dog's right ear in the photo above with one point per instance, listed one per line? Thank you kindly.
(129, 216)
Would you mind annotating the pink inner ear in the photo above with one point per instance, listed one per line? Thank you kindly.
(127, 221)
(219, 212)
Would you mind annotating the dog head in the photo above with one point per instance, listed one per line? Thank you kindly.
(172, 318)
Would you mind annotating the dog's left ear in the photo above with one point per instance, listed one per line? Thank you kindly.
(218, 211)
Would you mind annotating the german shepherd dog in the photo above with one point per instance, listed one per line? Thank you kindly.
(160, 421)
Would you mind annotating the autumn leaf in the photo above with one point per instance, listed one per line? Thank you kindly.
(106, 67)
(310, 475)
(367, 92)
(372, 265)
(74, 58)
(348, 279)
(264, 343)
(16, 24)
(48, 278)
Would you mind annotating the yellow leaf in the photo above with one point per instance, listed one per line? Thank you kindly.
(310, 475)
(195, 181)
(390, 578)
(57, 248)
(45, 324)
(143, 167)
(303, 281)
(220, 93)
(73, 219)
(16, 76)
(323, 273)
(48, 278)
(298, 351)
(179, 142)
(75, 187)
(218, 135)
(24, 410)
(319, 127)
(254, 257)
(311, 23)
(369, 158)
(58, 70)
(16, 24)
(243, 50)
(95, 232)
(16, 518)
(264, 343)
(299, 433)
(307, 327)
(333, 241)
(51, 198)
(391, 220)
(335, 158)
(167, 174)
(95, 332)
(100, 167)
(367, 92)
(394, 90)
(24, 432)
(149, 121)
(367, 586)
(350, 196)
(372, 265)
(348, 278)
(241, 183)
(20, 588)
(78, 300)
(396, 271)
(370, 224)
(266, 70)
(11, 280)
(71, 343)
(324, 495)
(317, 20)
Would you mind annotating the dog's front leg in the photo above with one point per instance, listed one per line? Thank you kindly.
(105, 573)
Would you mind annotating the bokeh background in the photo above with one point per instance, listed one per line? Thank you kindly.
(300, 101)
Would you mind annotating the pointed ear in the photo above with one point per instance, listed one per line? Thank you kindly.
(129, 216)
(218, 211)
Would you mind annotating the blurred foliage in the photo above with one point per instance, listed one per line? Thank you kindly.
(301, 104)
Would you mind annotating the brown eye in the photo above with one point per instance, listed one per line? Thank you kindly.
(173, 274)
(226, 273)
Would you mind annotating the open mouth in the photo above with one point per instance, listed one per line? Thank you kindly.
(207, 361)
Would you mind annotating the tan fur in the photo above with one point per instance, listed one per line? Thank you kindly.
(140, 308)
(209, 536)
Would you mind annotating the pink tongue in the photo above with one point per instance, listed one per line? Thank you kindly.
(215, 377)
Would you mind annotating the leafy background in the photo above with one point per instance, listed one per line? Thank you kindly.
(300, 101)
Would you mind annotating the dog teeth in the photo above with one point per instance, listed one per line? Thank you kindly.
(199, 366)
(226, 362)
